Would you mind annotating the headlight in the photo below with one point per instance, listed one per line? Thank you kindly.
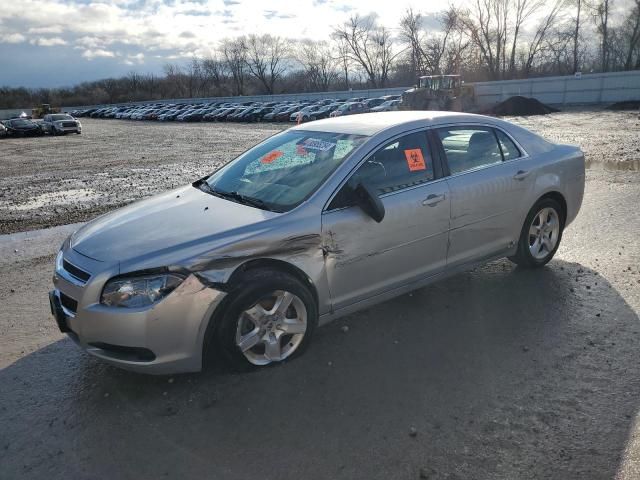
(139, 292)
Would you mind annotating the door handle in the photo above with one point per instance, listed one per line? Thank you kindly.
(433, 199)
(521, 175)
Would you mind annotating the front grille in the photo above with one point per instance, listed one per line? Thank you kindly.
(68, 303)
(68, 124)
(75, 271)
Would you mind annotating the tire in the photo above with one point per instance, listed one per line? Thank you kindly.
(256, 292)
(532, 239)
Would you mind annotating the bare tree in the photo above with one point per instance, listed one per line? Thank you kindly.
(601, 17)
(576, 36)
(524, 9)
(266, 57)
(234, 52)
(368, 45)
(173, 77)
(213, 72)
(110, 86)
(150, 84)
(412, 36)
(320, 64)
(193, 77)
(631, 37)
(541, 34)
(344, 58)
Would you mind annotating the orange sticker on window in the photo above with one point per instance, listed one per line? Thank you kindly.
(270, 157)
(415, 160)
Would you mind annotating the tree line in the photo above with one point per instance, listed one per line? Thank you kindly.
(484, 40)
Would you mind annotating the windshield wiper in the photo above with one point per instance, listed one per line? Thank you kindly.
(251, 201)
(237, 197)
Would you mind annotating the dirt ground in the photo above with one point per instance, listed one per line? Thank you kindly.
(49, 181)
(497, 373)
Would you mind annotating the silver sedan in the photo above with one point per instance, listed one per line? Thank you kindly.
(314, 223)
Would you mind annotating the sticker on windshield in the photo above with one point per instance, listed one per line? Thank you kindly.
(271, 156)
(315, 144)
(300, 150)
(415, 160)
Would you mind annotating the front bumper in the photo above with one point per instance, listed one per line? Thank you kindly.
(74, 129)
(164, 338)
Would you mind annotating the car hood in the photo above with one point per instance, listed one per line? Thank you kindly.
(176, 220)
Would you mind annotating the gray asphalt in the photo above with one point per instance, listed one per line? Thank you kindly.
(497, 373)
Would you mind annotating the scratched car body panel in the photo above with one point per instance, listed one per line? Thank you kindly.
(360, 208)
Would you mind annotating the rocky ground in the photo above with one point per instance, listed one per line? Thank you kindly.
(49, 181)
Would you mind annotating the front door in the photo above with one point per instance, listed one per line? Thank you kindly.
(365, 258)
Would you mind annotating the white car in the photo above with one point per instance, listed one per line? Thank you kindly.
(60, 124)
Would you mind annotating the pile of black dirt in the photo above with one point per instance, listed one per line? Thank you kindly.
(521, 106)
(626, 105)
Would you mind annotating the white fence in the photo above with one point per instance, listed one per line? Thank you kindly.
(591, 88)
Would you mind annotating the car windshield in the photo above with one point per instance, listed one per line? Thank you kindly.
(60, 117)
(20, 123)
(284, 170)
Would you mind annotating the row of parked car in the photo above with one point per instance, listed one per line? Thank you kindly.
(53, 124)
(292, 111)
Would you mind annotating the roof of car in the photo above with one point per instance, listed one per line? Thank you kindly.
(372, 123)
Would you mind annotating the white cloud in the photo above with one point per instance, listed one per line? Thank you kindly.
(12, 38)
(40, 30)
(48, 42)
(134, 59)
(91, 54)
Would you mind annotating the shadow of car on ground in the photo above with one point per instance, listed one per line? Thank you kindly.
(494, 373)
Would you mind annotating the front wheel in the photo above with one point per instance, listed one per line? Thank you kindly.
(268, 318)
(541, 234)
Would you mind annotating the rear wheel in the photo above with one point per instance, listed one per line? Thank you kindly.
(268, 318)
(541, 234)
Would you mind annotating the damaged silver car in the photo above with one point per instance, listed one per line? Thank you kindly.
(315, 222)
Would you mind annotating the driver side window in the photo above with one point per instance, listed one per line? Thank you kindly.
(402, 163)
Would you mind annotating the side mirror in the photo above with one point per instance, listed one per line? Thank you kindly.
(368, 201)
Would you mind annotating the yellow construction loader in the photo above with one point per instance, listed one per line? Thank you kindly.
(439, 92)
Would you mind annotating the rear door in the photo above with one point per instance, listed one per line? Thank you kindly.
(364, 258)
(490, 177)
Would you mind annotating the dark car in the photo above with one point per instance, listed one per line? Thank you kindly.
(271, 116)
(255, 115)
(285, 114)
(21, 127)
(324, 111)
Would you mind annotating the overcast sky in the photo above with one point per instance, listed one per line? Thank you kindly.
(48, 43)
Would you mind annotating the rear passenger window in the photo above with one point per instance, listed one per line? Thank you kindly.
(403, 163)
(509, 149)
(468, 148)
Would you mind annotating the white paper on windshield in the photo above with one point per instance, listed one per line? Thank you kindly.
(316, 144)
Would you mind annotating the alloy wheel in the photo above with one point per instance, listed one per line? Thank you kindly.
(272, 329)
(543, 233)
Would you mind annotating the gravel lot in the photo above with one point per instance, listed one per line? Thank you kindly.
(496, 373)
(59, 180)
